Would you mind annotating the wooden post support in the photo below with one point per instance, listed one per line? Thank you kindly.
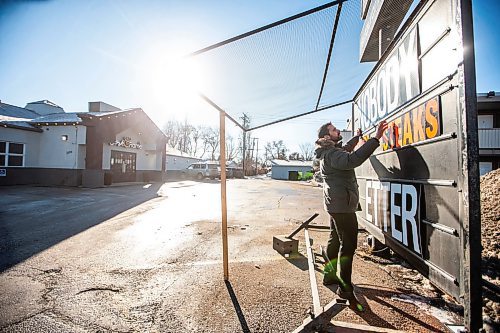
(223, 193)
(222, 162)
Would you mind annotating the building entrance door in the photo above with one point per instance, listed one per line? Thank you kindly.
(123, 166)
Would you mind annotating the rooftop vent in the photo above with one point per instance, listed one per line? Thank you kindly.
(101, 107)
(490, 94)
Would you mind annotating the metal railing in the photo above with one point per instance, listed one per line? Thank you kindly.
(489, 138)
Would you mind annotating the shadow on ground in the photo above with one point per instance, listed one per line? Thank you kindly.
(237, 308)
(60, 214)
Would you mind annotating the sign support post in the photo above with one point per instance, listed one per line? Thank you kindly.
(470, 209)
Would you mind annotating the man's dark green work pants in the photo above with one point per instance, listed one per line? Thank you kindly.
(341, 246)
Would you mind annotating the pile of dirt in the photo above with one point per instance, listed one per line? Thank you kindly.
(490, 223)
(490, 235)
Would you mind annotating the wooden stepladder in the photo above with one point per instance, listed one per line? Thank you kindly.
(320, 317)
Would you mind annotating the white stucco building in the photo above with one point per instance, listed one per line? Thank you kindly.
(178, 160)
(42, 144)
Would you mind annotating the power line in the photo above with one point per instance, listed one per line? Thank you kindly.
(334, 32)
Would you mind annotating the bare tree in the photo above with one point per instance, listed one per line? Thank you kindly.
(295, 156)
(195, 136)
(185, 130)
(185, 137)
(199, 141)
(171, 130)
(307, 150)
(231, 149)
(204, 149)
(211, 140)
(275, 150)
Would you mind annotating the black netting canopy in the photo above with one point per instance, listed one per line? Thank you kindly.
(305, 63)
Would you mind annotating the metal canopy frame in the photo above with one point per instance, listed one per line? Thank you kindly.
(223, 114)
(269, 26)
(266, 27)
(320, 317)
(218, 108)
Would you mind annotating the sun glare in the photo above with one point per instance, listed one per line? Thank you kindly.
(170, 83)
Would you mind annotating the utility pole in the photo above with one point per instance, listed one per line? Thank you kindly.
(257, 157)
(251, 154)
(245, 126)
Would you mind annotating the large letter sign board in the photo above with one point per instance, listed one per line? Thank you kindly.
(395, 209)
(394, 84)
(419, 191)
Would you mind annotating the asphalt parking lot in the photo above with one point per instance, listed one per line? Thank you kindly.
(148, 258)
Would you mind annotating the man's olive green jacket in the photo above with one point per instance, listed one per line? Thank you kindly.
(340, 189)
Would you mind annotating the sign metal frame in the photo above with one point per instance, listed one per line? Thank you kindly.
(449, 202)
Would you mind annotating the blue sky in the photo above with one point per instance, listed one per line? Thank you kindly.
(487, 44)
(72, 52)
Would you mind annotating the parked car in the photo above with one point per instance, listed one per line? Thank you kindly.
(234, 172)
(200, 170)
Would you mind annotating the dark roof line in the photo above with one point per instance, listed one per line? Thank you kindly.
(107, 113)
(26, 126)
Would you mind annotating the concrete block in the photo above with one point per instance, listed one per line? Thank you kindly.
(284, 245)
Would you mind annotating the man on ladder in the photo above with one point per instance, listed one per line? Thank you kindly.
(341, 200)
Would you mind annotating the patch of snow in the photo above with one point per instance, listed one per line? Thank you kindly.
(446, 317)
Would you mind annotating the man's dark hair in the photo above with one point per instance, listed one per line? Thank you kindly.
(323, 130)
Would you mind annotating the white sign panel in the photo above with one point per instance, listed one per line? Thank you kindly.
(396, 82)
(395, 209)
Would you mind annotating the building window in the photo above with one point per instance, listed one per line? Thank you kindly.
(11, 154)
